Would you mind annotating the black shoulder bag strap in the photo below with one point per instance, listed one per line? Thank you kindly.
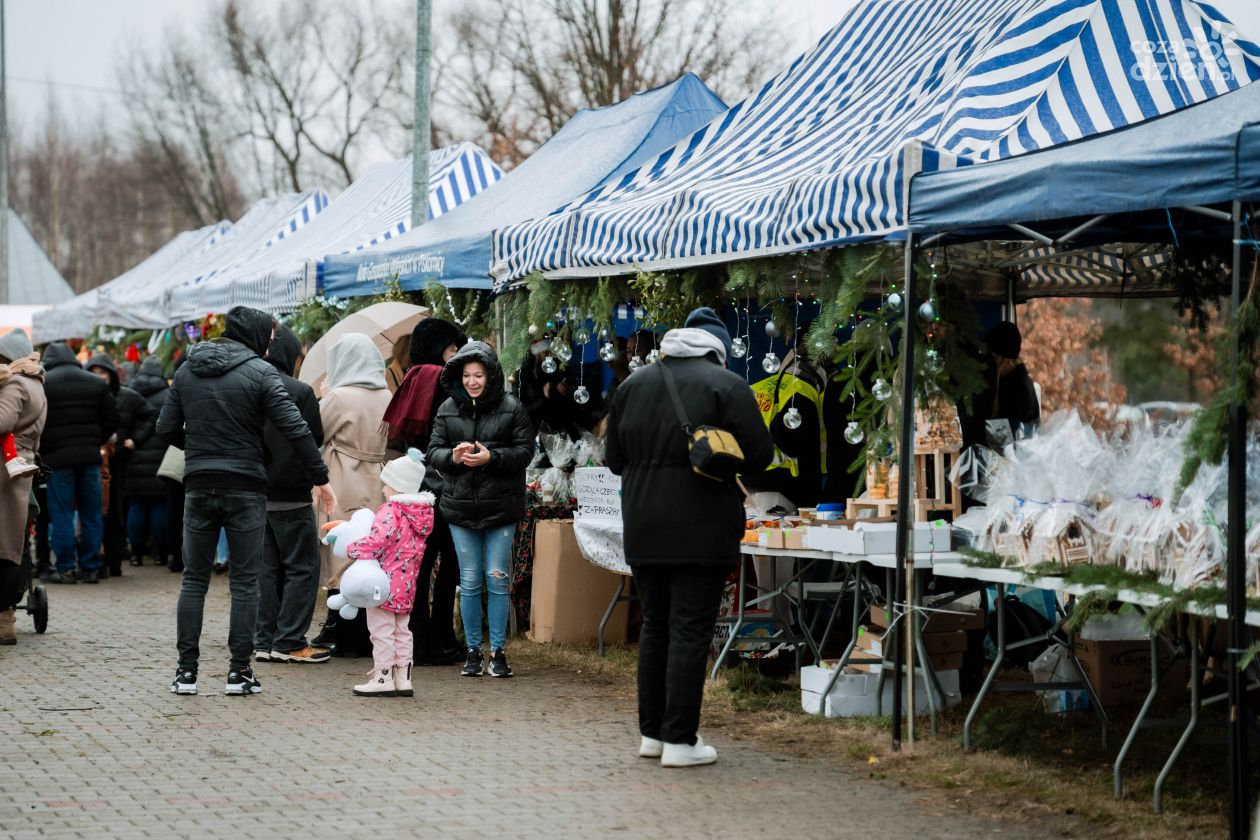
(672, 387)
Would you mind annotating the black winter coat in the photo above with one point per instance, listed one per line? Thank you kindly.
(81, 412)
(287, 481)
(1012, 397)
(136, 418)
(671, 514)
(142, 469)
(494, 494)
(215, 412)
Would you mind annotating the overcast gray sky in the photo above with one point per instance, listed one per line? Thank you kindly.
(74, 43)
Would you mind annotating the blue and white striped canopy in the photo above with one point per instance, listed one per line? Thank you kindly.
(76, 317)
(270, 221)
(373, 209)
(822, 153)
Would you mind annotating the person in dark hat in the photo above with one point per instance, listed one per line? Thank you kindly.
(1009, 393)
(215, 412)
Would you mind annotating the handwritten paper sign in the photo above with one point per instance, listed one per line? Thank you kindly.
(597, 523)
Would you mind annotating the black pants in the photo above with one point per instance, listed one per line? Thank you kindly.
(174, 522)
(433, 628)
(680, 610)
(244, 515)
(287, 581)
(114, 538)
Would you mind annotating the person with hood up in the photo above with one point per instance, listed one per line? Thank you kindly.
(215, 412)
(1009, 394)
(410, 418)
(396, 541)
(682, 530)
(482, 442)
(81, 417)
(289, 578)
(136, 419)
(146, 497)
(23, 411)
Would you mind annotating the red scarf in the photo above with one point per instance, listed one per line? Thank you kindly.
(411, 407)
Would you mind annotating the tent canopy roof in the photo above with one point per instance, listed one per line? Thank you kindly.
(596, 147)
(33, 279)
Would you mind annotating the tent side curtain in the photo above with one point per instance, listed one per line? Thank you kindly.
(76, 317)
(821, 154)
(597, 146)
(375, 208)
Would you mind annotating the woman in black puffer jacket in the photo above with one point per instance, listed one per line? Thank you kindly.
(146, 512)
(482, 442)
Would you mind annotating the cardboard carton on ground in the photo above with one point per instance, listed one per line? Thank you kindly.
(947, 620)
(854, 694)
(1120, 671)
(944, 650)
(569, 594)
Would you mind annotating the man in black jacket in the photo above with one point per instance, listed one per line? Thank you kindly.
(136, 419)
(289, 577)
(215, 412)
(682, 530)
(81, 417)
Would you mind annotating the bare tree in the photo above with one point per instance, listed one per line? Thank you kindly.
(517, 70)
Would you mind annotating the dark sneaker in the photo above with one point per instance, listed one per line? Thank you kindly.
(185, 682)
(61, 577)
(472, 664)
(220, 566)
(90, 576)
(499, 666)
(242, 682)
(102, 572)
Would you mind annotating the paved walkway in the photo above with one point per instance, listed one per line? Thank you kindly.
(95, 746)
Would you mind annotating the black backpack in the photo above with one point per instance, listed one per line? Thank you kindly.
(1022, 622)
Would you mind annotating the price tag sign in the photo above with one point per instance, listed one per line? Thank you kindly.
(597, 523)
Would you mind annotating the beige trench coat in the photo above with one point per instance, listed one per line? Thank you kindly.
(354, 450)
(23, 411)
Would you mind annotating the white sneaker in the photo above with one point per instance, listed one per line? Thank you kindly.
(19, 467)
(379, 684)
(687, 755)
(402, 680)
(650, 747)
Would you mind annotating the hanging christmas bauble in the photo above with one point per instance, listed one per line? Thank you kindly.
(894, 301)
(603, 334)
(770, 364)
(932, 360)
(635, 363)
(792, 418)
(853, 433)
(581, 396)
(582, 337)
(551, 325)
(772, 329)
(738, 348)
(881, 389)
(533, 330)
(653, 356)
(549, 365)
(927, 311)
(562, 351)
(608, 352)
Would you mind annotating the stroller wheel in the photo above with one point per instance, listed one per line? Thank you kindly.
(39, 608)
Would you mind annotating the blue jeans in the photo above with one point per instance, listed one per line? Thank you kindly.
(484, 555)
(145, 517)
(73, 489)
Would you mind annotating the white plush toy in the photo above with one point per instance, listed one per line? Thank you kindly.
(363, 584)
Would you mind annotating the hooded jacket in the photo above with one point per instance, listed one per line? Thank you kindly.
(136, 418)
(493, 494)
(142, 480)
(286, 480)
(81, 412)
(217, 407)
(671, 514)
(397, 539)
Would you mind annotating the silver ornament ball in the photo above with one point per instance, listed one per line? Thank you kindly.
(772, 329)
(608, 352)
(882, 390)
(894, 301)
(792, 418)
(533, 330)
(853, 433)
(738, 348)
(549, 365)
(583, 336)
(581, 396)
(927, 310)
(562, 351)
(635, 363)
(653, 356)
(770, 364)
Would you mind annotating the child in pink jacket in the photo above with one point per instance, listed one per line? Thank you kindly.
(396, 541)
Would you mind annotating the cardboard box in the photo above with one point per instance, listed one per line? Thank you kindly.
(855, 694)
(944, 650)
(794, 538)
(1120, 671)
(570, 594)
(770, 538)
(958, 618)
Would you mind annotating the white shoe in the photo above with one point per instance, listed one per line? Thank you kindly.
(19, 467)
(650, 747)
(402, 680)
(687, 755)
(379, 684)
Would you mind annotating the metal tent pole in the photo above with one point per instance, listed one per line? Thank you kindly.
(905, 500)
(1236, 569)
(420, 131)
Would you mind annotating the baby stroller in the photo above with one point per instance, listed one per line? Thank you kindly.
(36, 604)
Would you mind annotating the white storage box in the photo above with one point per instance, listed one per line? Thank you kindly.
(854, 694)
(876, 538)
